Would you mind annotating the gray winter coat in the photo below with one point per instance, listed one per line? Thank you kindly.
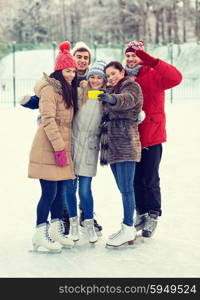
(120, 139)
(86, 137)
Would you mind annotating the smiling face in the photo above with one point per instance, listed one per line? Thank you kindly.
(114, 75)
(82, 59)
(96, 81)
(132, 60)
(69, 74)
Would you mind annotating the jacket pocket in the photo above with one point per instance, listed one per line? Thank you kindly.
(93, 150)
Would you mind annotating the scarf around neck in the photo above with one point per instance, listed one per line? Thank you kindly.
(133, 71)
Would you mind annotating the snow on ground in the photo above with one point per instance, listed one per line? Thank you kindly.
(174, 250)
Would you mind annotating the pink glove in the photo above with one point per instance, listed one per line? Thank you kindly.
(147, 59)
(61, 158)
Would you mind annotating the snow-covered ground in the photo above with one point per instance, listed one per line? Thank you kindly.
(174, 251)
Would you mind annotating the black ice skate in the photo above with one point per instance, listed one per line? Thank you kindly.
(140, 221)
(150, 224)
(66, 222)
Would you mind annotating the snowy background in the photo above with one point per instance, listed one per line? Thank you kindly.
(174, 250)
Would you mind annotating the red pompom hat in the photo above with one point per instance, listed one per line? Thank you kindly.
(64, 59)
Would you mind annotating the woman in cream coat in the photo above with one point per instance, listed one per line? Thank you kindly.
(85, 145)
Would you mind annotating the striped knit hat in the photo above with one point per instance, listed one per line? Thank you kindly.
(98, 69)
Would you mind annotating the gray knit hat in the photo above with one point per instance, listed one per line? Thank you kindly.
(98, 69)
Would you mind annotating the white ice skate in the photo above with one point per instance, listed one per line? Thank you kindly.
(125, 236)
(42, 239)
(56, 233)
(90, 230)
(74, 228)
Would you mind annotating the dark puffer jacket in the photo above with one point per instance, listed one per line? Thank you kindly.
(120, 139)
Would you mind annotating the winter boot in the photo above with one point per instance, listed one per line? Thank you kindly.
(66, 222)
(126, 235)
(140, 221)
(150, 224)
(41, 239)
(56, 233)
(98, 228)
(74, 228)
(89, 229)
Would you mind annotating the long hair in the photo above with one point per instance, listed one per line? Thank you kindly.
(69, 92)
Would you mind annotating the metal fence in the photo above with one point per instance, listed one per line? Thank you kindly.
(13, 88)
(10, 94)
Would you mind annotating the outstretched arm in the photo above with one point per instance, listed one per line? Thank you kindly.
(31, 102)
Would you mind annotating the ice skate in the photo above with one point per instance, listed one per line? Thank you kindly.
(74, 228)
(41, 239)
(125, 236)
(56, 233)
(140, 221)
(90, 230)
(66, 222)
(150, 224)
(98, 228)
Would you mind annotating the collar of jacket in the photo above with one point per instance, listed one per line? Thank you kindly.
(54, 83)
(116, 89)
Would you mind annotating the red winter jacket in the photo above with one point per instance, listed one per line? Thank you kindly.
(154, 82)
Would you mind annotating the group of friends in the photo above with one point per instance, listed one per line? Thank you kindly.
(109, 112)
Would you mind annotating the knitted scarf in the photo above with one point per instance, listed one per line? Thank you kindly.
(134, 71)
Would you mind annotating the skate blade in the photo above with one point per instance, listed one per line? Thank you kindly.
(126, 244)
(98, 233)
(68, 246)
(45, 251)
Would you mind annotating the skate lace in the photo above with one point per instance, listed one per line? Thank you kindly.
(90, 229)
(61, 228)
(150, 224)
(47, 235)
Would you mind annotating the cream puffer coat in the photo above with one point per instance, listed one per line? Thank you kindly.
(53, 134)
(86, 134)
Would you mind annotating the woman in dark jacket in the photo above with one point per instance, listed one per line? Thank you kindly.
(120, 142)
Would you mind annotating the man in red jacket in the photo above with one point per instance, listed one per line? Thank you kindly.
(154, 76)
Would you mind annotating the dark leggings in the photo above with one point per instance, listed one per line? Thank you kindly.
(52, 200)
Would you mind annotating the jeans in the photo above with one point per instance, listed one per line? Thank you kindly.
(85, 195)
(124, 175)
(52, 199)
(147, 180)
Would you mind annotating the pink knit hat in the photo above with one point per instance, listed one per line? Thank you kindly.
(134, 45)
(64, 59)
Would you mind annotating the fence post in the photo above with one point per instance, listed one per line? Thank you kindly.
(171, 61)
(54, 51)
(95, 50)
(14, 78)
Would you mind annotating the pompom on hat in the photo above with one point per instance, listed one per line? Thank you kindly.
(134, 45)
(64, 59)
(97, 69)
